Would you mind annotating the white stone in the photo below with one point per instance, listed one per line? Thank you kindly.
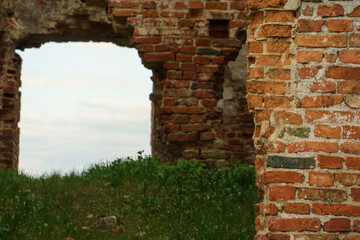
(108, 222)
(353, 101)
(292, 5)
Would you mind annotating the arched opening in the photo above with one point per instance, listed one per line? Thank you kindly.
(82, 103)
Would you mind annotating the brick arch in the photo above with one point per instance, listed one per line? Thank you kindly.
(187, 45)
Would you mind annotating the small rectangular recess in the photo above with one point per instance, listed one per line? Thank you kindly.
(218, 28)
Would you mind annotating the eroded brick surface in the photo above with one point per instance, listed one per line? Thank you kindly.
(199, 107)
(302, 90)
(307, 149)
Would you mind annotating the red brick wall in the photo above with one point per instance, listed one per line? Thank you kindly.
(187, 44)
(303, 89)
(9, 112)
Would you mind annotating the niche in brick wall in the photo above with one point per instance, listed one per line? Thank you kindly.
(82, 103)
(219, 28)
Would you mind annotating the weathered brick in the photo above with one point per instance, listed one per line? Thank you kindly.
(278, 47)
(337, 225)
(182, 137)
(147, 40)
(280, 16)
(237, 5)
(355, 194)
(282, 193)
(350, 56)
(207, 136)
(268, 60)
(255, 4)
(321, 236)
(321, 101)
(123, 4)
(321, 40)
(356, 226)
(346, 73)
(309, 56)
(354, 40)
(307, 72)
(195, 128)
(255, 47)
(275, 161)
(282, 177)
(327, 116)
(325, 131)
(216, 5)
(326, 86)
(321, 194)
(332, 162)
(297, 208)
(340, 25)
(321, 179)
(353, 163)
(187, 110)
(294, 224)
(334, 10)
(158, 57)
(278, 74)
(148, 5)
(256, 73)
(276, 101)
(196, 5)
(273, 30)
(355, 13)
(254, 101)
(308, 11)
(348, 179)
(288, 118)
(190, 154)
(336, 209)
(348, 87)
(350, 147)
(328, 147)
(309, 25)
(331, 57)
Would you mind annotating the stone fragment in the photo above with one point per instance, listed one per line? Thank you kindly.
(299, 132)
(108, 222)
(353, 100)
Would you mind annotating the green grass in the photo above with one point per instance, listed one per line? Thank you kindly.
(151, 201)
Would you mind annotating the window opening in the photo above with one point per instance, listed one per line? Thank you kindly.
(82, 103)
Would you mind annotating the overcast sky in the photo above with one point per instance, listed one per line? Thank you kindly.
(82, 103)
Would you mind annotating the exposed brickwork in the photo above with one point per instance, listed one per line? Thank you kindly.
(199, 107)
(307, 146)
(302, 89)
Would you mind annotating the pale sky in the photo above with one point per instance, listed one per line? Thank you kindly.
(82, 103)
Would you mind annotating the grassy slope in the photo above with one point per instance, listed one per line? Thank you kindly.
(150, 200)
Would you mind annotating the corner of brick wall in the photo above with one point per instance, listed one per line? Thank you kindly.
(303, 89)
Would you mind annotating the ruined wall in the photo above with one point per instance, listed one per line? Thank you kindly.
(303, 89)
(199, 108)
